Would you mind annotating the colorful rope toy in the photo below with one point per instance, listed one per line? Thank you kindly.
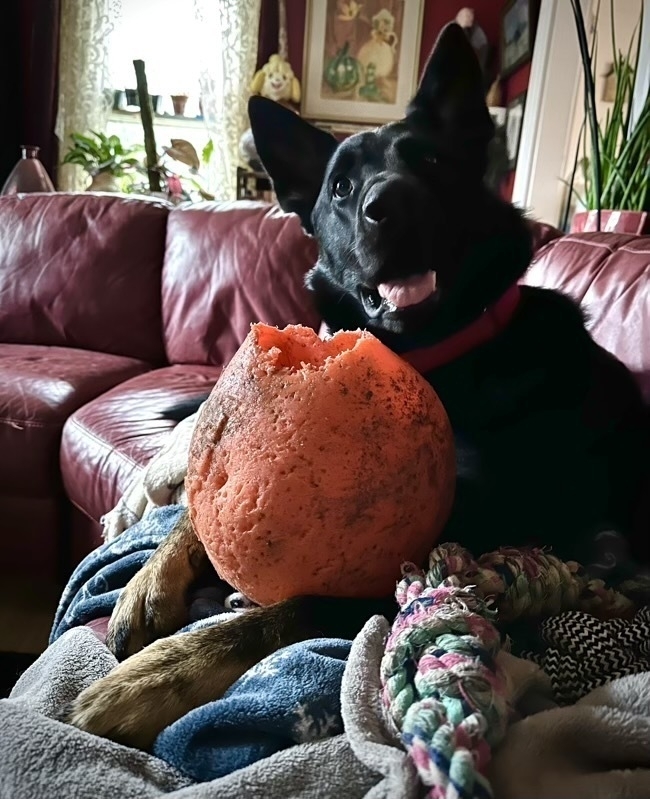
(441, 683)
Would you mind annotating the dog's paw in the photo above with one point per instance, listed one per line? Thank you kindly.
(148, 608)
(138, 699)
(149, 691)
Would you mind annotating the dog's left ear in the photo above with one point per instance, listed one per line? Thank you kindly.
(450, 96)
(294, 154)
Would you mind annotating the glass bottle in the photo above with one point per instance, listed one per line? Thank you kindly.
(29, 174)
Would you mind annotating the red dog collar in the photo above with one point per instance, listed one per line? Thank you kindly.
(491, 322)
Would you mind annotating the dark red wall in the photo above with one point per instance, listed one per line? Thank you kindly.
(436, 14)
(29, 59)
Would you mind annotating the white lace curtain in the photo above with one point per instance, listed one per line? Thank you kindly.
(84, 98)
(226, 38)
(229, 54)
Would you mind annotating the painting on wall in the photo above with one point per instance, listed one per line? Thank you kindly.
(361, 59)
(516, 35)
(514, 120)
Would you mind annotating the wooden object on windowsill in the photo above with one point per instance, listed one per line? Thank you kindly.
(146, 115)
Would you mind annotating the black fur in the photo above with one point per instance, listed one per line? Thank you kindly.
(551, 430)
(183, 409)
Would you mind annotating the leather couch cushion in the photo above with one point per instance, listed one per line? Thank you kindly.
(82, 271)
(39, 388)
(609, 274)
(227, 266)
(106, 442)
(542, 233)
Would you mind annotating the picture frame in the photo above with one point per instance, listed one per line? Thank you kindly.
(517, 35)
(342, 130)
(360, 61)
(514, 120)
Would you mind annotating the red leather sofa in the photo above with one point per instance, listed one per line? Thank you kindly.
(113, 309)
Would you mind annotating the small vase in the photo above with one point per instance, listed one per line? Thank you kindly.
(28, 175)
(179, 102)
(104, 181)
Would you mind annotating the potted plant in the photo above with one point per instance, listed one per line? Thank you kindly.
(616, 169)
(104, 158)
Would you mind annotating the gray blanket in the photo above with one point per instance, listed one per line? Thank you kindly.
(596, 749)
(42, 758)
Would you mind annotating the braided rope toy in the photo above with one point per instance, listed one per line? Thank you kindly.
(442, 686)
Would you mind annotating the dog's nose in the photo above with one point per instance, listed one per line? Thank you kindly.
(385, 203)
(375, 211)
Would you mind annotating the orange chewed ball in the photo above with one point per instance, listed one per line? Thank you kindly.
(319, 467)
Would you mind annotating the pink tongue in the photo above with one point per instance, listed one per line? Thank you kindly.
(411, 291)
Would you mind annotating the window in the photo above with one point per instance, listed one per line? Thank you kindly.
(163, 33)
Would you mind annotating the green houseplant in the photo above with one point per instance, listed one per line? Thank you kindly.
(103, 157)
(615, 164)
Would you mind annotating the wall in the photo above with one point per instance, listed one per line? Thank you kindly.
(12, 94)
(436, 14)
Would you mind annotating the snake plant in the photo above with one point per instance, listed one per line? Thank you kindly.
(616, 169)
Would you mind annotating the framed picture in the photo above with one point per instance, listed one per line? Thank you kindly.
(514, 119)
(516, 35)
(361, 59)
(341, 130)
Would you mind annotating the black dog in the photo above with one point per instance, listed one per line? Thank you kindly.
(551, 430)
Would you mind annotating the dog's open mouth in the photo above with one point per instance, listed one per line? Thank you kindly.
(399, 295)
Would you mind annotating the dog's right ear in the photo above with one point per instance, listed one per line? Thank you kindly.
(294, 154)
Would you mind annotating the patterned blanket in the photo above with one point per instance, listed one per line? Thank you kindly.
(292, 697)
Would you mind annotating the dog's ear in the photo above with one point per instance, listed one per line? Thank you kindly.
(450, 96)
(294, 154)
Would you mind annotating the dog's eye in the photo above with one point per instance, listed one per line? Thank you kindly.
(342, 186)
(430, 160)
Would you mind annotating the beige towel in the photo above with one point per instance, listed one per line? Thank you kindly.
(596, 749)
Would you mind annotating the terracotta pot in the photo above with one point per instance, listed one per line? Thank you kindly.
(635, 222)
(104, 181)
(179, 102)
(28, 175)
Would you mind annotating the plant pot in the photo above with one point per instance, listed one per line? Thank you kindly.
(104, 181)
(179, 102)
(635, 222)
(131, 101)
(28, 175)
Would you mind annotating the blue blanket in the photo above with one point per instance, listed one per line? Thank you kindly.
(290, 697)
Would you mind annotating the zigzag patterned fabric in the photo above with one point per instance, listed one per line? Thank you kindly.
(580, 652)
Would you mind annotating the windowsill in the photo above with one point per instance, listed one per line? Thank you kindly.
(166, 120)
(128, 126)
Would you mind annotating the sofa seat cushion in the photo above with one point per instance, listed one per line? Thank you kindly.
(39, 388)
(108, 441)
